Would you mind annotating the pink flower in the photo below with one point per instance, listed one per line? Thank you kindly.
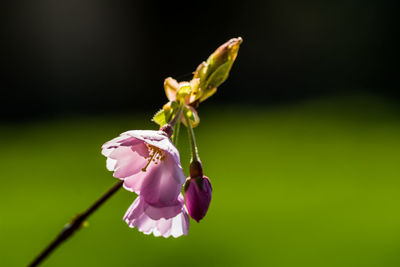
(198, 196)
(149, 165)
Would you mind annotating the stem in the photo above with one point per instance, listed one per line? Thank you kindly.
(177, 116)
(195, 152)
(175, 137)
(75, 224)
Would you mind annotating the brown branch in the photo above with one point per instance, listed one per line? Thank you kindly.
(74, 225)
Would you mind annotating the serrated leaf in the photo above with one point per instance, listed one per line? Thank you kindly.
(165, 115)
(160, 118)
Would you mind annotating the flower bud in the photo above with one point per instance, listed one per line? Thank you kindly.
(215, 70)
(197, 192)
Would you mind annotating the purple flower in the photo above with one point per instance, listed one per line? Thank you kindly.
(149, 165)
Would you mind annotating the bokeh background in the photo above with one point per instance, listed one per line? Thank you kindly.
(301, 143)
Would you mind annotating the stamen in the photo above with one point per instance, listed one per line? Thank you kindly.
(155, 155)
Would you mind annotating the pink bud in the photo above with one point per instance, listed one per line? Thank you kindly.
(197, 196)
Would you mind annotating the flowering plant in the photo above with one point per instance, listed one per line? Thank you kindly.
(147, 162)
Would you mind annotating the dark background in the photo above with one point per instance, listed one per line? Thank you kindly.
(89, 56)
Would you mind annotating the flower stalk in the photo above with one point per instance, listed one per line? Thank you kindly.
(175, 136)
(195, 152)
(177, 116)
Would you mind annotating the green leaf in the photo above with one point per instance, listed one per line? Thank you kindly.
(215, 80)
(219, 75)
(215, 70)
(160, 118)
(208, 93)
(165, 115)
(201, 73)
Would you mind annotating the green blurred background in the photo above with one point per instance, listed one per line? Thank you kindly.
(308, 184)
(301, 142)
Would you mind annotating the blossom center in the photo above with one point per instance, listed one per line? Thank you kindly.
(155, 155)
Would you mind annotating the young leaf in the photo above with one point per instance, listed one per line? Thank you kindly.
(219, 75)
(160, 118)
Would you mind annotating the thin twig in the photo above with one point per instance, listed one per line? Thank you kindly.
(74, 225)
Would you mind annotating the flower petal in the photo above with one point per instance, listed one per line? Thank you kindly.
(111, 145)
(134, 182)
(163, 182)
(111, 164)
(167, 212)
(180, 225)
(158, 139)
(175, 226)
(130, 160)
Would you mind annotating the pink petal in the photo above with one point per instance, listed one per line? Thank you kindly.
(111, 164)
(166, 212)
(160, 183)
(130, 160)
(180, 225)
(136, 209)
(163, 182)
(111, 145)
(134, 183)
(117, 149)
(145, 224)
(175, 226)
(158, 139)
(163, 226)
